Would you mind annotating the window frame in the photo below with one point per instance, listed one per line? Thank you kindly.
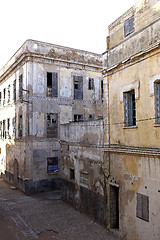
(53, 90)
(157, 101)
(55, 168)
(130, 108)
(91, 84)
(129, 26)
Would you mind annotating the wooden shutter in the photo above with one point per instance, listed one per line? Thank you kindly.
(55, 84)
(78, 87)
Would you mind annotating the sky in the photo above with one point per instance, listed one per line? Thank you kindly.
(81, 24)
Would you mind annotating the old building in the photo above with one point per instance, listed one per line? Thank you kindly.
(131, 122)
(42, 86)
(83, 182)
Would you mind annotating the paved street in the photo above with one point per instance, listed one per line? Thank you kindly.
(44, 216)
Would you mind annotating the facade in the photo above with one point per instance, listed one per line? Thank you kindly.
(82, 170)
(41, 87)
(131, 122)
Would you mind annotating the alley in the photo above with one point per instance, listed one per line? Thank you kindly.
(44, 216)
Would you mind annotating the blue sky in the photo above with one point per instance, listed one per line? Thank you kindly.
(79, 24)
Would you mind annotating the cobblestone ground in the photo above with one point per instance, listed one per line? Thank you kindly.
(44, 216)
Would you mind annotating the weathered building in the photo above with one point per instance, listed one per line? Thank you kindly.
(82, 169)
(42, 86)
(131, 122)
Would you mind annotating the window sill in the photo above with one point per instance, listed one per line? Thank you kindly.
(130, 127)
(53, 173)
(156, 125)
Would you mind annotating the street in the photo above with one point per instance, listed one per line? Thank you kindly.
(44, 216)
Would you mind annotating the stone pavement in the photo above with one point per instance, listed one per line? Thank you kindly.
(44, 216)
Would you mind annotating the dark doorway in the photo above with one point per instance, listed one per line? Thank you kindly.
(114, 207)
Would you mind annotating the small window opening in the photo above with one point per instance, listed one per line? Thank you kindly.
(72, 175)
(52, 165)
(78, 117)
(84, 178)
(130, 109)
(91, 84)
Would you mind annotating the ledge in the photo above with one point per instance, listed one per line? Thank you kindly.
(130, 127)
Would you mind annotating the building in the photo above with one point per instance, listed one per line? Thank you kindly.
(82, 169)
(41, 87)
(131, 122)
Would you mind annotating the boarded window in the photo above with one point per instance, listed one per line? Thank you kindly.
(21, 86)
(78, 117)
(14, 127)
(129, 26)
(78, 87)
(142, 210)
(52, 84)
(14, 90)
(157, 102)
(91, 84)
(20, 125)
(114, 207)
(52, 164)
(9, 93)
(84, 178)
(130, 108)
(52, 125)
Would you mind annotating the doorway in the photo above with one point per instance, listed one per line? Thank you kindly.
(114, 207)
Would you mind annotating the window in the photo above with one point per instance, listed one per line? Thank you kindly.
(52, 125)
(4, 129)
(129, 26)
(157, 102)
(21, 86)
(91, 84)
(72, 174)
(0, 129)
(52, 84)
(20, 125)
(130, 108)
(8, 127)
(78, 87)
(9, 93)
(78, 117)
(91, 116)
(114, 207)
(102, 90)
(142, 210)
(14, 127)
(52, 164)
(84, 178)
(14, 90)
(4, 96)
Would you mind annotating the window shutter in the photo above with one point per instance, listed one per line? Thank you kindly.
(139, 205)
(145, 213)
(126, 27)
(157, 88)
(54, 84)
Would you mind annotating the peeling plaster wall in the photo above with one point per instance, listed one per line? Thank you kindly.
(135, 173)
(131, 154)
(81, 151)
(25, 158)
